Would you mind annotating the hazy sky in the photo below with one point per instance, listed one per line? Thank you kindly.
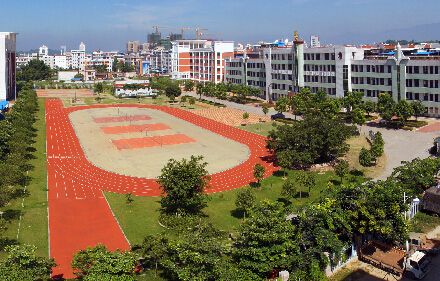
(108, 24)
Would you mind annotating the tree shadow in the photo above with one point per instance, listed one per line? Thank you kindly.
(336, 182)
(10, 215)
(255, 184)
(7, 242)
(285, 201)
(279, 174)
(356, 173)
(237, 213)
(302, 195)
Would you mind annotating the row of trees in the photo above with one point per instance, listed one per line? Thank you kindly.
(16, 139)
(368, 157)
(35, 70)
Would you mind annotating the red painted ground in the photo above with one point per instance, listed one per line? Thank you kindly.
(78, 213)
(434, 127)
(152, 141)
(135, 128)
(122, 119)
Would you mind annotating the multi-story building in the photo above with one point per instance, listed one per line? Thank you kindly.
(133, 47)
(160, 61)
(200, 60)
(8, 89)
(410, 73)
(78, 57)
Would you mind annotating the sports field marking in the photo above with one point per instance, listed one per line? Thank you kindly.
(135, 128)
(126, 118)
(152, 141)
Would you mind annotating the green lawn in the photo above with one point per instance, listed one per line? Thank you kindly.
(140, 218)
(260, 128)
(33, 224)
(424, 223)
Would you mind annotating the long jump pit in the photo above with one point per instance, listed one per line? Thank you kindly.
(139, 142)
(122, 149)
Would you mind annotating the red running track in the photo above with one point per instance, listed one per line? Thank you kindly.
(152, 141)
(79, 215)
(122, 119)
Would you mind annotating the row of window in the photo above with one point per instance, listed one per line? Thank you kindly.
(422, 69)
(278, 76)
(234, 72)
(255, 65)
(282, 57)
(371, 81)
(312, 67)
(434, 84)
(234, 64)
(282, 66)
(256, 74)
(371, 68)
(422, 97)
(318, 56)
(256, 83)
(319, 79)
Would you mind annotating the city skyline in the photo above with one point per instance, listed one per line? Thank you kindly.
(109, 24)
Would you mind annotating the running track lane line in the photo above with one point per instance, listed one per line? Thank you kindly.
(78, 213)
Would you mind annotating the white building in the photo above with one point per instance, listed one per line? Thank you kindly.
(7, 66)
(60, 62)
(78, 57)
(314, 41)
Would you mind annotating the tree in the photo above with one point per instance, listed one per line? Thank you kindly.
(404, 111)
(377, 147)
(318, 138)
(418, 108)
(289, 189)
(245, 117)
(200, 89)
(386, 106)
(172, 91)
(115, 65)
(265, 109)
(183, 184)
(417, 175)
(35, 70)
(22, 263)
(100, 264)
(282, 104)
(189, 85)
(365, 157)
(342, 169)
(353, 101)
(266, 241)
(98, 87)
(369, 107)
(192, 100)
(79, 76)
(305, 180)
(259, 172)
(245, 200)
(152, 251)
(100, 68)
(358, 117)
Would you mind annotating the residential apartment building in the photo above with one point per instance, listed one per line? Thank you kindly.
(8, 89)
(78, 57)
(200, 60)
(410, 73)
(160, 61)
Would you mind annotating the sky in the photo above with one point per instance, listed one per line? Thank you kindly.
(109, 24)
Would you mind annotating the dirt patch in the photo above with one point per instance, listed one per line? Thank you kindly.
(230, 116)
(64, 93)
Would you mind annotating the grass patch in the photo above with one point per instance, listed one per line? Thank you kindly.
(140, 218)
(262, 128)
(356, 144)
(34, 223)
(424, 223)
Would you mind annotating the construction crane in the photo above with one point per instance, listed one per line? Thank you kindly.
(156, 28)
(200, 33)
(183, 29)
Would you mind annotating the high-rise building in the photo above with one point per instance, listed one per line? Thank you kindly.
(200, 60)
(314, 41)
(8, 89)
(176, 36)
(133, 47)
(154, 38)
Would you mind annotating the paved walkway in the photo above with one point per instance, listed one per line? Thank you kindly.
(79, 215)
